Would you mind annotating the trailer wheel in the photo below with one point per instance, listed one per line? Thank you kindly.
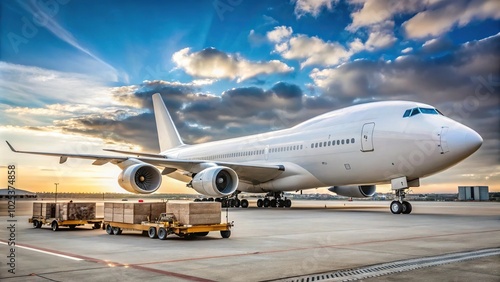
(35, 223)
(117, 230)
(225, 233)
(152, 232)
(109, 230)
(201, 234)
(39, 225)
(72, 227)
(97, 225)
(162, 233)
(55, 226)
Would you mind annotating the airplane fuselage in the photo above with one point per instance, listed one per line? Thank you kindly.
(364, 144)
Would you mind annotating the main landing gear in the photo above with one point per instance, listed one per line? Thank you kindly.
(400, 206)
(277, 202)
(229, 202)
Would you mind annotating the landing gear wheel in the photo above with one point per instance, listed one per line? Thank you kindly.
(267, 202)
(117, 231)
(260, 203)
(225, 234)
(273, 203)
(396, 207)
(109, 230)
(244, 203)
(406, 207)
(152, 232)
(281, 203)
(223, 203)
(162, 233)
(35, 223)
(197, 200)
(237, 203)
(288, 203)
(55, 226)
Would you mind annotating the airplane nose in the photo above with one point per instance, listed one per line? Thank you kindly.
(463, 141)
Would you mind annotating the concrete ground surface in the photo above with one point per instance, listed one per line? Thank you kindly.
(266, 244)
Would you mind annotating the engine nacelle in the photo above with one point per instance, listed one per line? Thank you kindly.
(217, 181)
(361, 191)
(140, 179)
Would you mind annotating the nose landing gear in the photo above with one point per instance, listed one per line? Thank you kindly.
(400, 206)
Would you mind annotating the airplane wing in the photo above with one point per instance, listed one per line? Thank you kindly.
(254, 173)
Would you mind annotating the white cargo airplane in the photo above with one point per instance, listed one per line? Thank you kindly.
(350, 149)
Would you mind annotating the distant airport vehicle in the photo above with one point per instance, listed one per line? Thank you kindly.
(350, 149)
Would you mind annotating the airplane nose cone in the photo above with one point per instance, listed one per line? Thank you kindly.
(463, 141)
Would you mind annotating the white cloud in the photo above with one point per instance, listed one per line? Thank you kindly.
(279, 34)
(407, 50)
(313, 51)
(434, 22)
(313, 7)
(381, 36)
(212, 63)
(34, 85)
(377, 11)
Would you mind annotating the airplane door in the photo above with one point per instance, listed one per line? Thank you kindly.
(367, 137)
(442, 140)
(266, 152)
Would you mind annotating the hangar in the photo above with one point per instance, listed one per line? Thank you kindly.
(473, 193)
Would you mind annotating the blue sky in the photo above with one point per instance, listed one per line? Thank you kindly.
(84, 70)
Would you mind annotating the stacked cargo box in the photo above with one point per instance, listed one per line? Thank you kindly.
(195, 213)
(133, 213)
(45, 210)
(65, 211)
(77, 211)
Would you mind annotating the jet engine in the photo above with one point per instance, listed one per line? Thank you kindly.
(140, 179)
(217, 181)
(361, 191)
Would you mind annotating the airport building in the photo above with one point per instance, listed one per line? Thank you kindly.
(473, 193)
(19, 194)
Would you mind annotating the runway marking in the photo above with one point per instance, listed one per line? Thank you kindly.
(44, 251)
(392, 267)
(107, 263)
(316, 247)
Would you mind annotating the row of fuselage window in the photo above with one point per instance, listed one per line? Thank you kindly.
(277, 150)
(253, 153)
(332, 143)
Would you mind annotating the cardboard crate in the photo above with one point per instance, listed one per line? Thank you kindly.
(44, 210)
(195, 213)
(133, 213)
(76, 211)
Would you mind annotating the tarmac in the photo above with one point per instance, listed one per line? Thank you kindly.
(312, 238)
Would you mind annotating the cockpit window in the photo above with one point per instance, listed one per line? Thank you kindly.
(425, 111)
(414, 112)
(428, 111)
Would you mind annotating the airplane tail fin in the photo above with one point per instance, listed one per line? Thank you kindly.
(168, 136)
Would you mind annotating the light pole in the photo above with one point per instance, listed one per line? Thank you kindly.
(56, 191)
